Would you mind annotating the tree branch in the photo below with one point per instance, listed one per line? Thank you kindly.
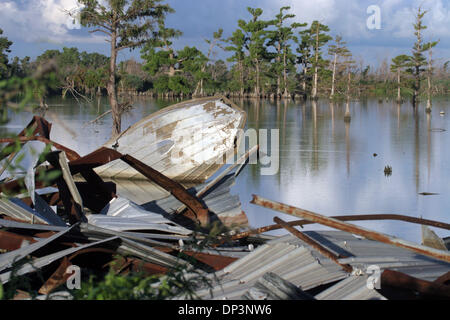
(133, 44)
(100, 30)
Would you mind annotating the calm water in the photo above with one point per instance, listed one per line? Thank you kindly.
(326, 165)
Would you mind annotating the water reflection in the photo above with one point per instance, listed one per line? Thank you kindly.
(327, 165)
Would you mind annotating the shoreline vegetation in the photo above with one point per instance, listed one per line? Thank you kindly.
(274, 59)
(271, 59)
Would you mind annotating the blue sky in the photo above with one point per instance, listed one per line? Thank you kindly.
(37, 25)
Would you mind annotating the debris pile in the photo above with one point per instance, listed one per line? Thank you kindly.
(77, 219)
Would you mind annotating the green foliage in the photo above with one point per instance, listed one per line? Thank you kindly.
(131, 81)
(161, 84)
(261, 52)
(76, 71)
(5, 44)
(256, 36)
(132, 22)
(417, 61)
(179, 84)
(118, 287)
(281, 39)
(155, 61)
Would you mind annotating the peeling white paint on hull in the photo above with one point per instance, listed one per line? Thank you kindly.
(186, 142)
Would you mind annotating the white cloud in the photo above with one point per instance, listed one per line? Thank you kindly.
(400, 17)
(42, 21)
(348, 17)
(325, 11)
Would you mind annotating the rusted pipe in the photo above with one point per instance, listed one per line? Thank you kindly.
(356, 217)
(443, 279)
(213, 182)
(397, 279)
(176, 189)
(324, 251)
(347, 227)
(71, 155)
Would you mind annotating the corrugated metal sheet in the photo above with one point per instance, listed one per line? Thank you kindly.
(218, 199)
(123, 215)
(362, 253)
(183, 141)
(20, 225)
(38, 263)
(272, 287)
(8, 258)
(45, 211)
(296, 264)
(16, 208)
(290, 258)
(352, 288)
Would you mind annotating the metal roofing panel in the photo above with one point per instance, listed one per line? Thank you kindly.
(20, 225)
(289, 258)
(122, 214)
(352, 288)
(218, 199)
(8, 258)
(46, 212)
(38, 263)
(293, 263)
(17, 209)
(363, 253)
(141, 223)
(272, 287)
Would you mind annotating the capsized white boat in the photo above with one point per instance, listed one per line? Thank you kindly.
(186, 142)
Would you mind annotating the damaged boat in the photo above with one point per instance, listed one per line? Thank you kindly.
(187, 142)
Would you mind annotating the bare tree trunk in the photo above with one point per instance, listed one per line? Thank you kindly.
(348, 85)
(415, 101)
(278, 86)
(416, 87)
(241, 77)
(314, 88)
(257, 88)
(347, 116)
(286, 92)
(333, 76)
(399, 96)
(305, 71)
(111, 87)
(278, 76)
(172, 67)
(428, 108)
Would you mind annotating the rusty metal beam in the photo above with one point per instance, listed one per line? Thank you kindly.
(356, 217)
(105, 155)
(347, 227)
(71, 155)
(317, 246)
(397, 279)
(70, 199)
(58, 277)
(213, 182)
(10, 241)
(37, 126)
(96, 195)
(93, 160)
(443, 279)
(176, 189)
